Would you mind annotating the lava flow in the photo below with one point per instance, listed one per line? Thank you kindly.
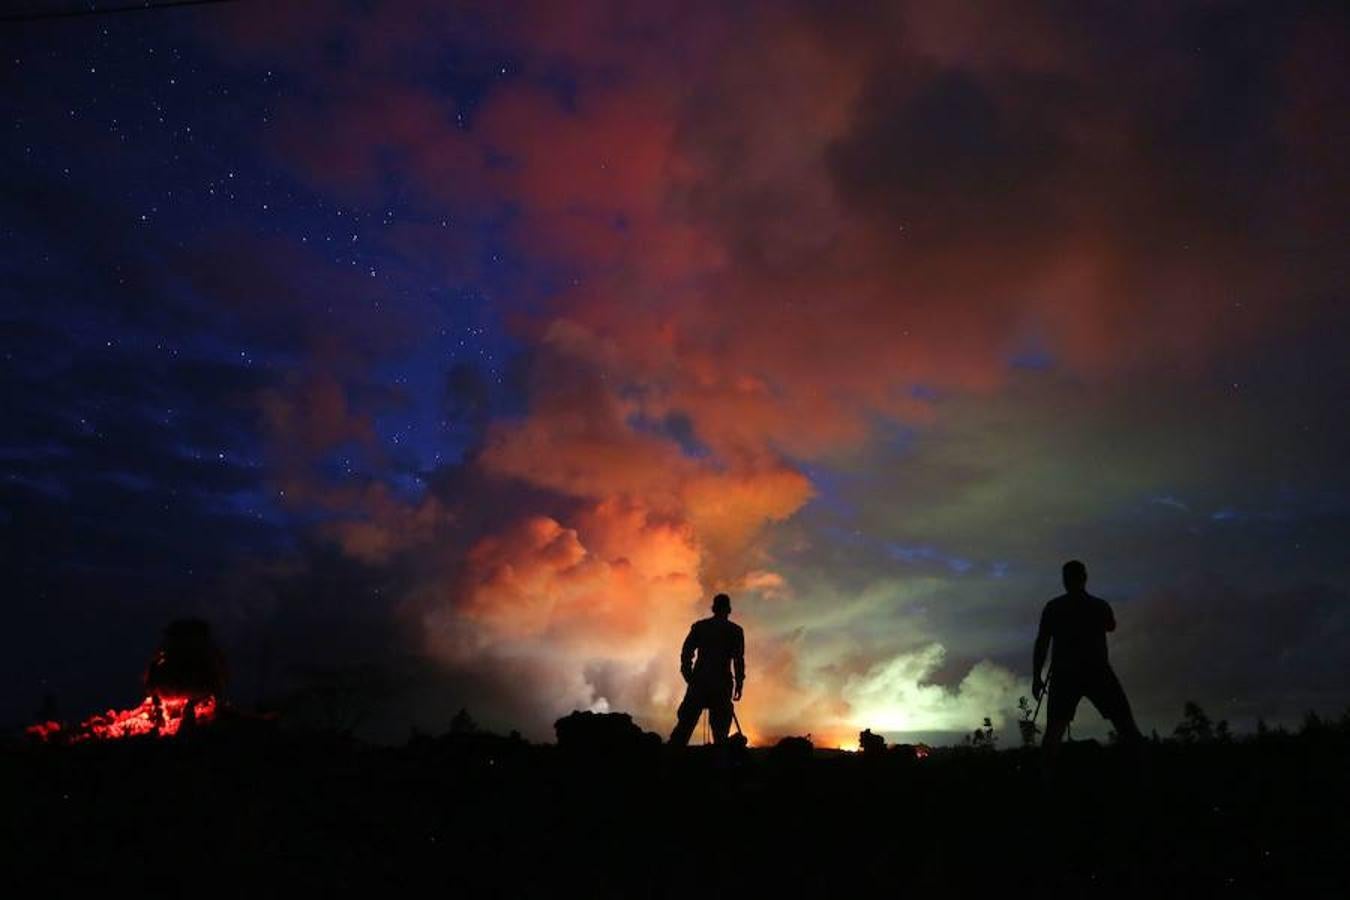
(182, 683)
(156, 715)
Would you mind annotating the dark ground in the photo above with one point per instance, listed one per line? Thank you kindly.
(247, 812)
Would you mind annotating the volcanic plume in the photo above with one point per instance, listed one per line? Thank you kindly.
(488, 341)
(755, 291)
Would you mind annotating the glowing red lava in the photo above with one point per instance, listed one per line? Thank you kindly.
(157, 716)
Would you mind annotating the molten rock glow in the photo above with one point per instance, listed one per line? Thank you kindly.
(157, 716)
(184, 677)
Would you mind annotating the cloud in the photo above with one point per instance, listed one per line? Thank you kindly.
(896, 697)
(540, 581)
(592, 607)
(1249, 653)
(754, 243)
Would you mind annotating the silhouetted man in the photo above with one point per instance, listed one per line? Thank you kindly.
(1076, 623)
(719, 645)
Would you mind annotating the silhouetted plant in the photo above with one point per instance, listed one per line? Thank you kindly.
(1026, 722)
(1264, 731)
(463, 723)
(983, 738)
(601, 734)
(1195, 726)
(337, 699)
(794, 750)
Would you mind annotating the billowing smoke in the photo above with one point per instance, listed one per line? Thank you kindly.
(896, 695)
(776, 235)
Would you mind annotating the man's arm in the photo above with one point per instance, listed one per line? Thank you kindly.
(1110, 617)
(738, 662)
(1038, 655)
(687, 654)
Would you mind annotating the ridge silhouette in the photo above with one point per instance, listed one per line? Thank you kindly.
(487, 814)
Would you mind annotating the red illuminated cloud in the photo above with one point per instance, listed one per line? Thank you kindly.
(604, 582)
(781, 227)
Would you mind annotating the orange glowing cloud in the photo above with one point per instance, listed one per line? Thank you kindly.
(781, 228)
(539, 580)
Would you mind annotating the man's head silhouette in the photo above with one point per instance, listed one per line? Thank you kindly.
(1075, 575)
(721, 605)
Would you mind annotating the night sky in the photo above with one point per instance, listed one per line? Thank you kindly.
(462, 351)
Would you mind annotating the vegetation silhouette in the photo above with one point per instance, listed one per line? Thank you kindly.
(586, 735)
(1195, 726)
(605, 811)
(1026, 722)
(485, 814)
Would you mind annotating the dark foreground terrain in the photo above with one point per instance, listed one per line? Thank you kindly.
(241, 813)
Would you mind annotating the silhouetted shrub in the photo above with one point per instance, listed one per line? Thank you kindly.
(871, 744)
(792, 750)
(463, 723)
(1026, 722)
(602, 734)
(1196, 727)
(336, 699)
(983, 738)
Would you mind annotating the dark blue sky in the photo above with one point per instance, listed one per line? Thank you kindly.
(162, 269)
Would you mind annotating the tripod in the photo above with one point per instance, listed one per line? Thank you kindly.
(705, 718)
(1045, 689)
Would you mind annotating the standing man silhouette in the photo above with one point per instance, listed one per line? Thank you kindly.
(719, 644)
(1076, 623)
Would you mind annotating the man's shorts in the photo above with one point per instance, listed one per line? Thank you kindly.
(1102, 688)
